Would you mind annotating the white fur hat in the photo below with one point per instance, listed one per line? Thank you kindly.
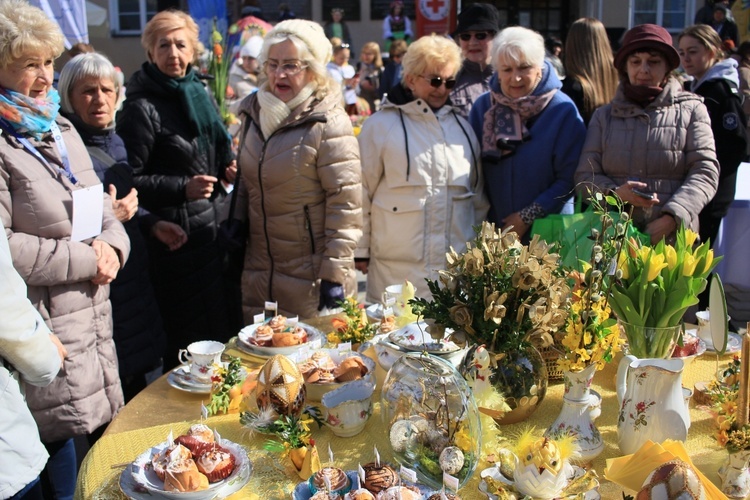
(252, 47)
(311, 34)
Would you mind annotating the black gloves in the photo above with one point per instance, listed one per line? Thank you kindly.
(330, 295)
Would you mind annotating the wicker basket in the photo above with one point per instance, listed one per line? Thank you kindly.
(550, 355)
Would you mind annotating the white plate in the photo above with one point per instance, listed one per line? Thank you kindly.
(494, 472)
(734, 342)
(180, 379)
(144, 483)
(414, 337)
(717, 303)
(313, 335)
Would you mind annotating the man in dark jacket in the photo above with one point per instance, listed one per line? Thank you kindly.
(724, 24)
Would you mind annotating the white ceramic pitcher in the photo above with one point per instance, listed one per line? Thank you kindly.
(652, 406)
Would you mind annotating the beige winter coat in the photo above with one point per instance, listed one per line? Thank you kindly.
(301, 187)
(35, 208)
(668, 145)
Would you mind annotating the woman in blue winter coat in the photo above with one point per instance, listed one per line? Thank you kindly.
(531, 133)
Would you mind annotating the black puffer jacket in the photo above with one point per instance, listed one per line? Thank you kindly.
(138, 330)
(165, 153)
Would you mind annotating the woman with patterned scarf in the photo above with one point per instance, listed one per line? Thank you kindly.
(182, 163)
(65, 242)
(531, 133)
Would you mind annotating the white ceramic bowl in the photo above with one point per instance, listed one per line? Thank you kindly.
(316, 391)
(347, 409)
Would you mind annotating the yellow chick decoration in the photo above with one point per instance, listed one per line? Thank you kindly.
(543, 464)
(404, 314)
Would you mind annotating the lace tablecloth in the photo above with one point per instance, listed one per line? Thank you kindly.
(147, 420)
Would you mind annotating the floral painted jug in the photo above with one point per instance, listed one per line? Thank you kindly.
(735, 476)
(652, 406)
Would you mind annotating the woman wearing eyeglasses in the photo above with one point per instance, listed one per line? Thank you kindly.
(300, 182)
(477, 25)
(531, 133)
(422, 185)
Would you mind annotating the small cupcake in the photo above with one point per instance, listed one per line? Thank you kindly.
(183, 475)
(449, 496)
(360, 494)
(160, 461)
(337, 479)
(324, 495)
(277, 323)
(400, 493)
(263, 335)
(352, 368)
(215, 464)
(379, 478)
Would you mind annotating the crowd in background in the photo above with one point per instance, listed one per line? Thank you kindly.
(136, 221)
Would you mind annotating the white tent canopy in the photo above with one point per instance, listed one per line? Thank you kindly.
(70, 15)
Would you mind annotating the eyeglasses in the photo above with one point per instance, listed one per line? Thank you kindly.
(437, 81)
(479, 35)
(288, 69)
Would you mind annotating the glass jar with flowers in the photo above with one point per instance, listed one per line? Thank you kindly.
(510, 298)
(591, 335)
(654, 288)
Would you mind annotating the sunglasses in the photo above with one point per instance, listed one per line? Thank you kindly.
(436, 81)
(342, 46)
(480, 35)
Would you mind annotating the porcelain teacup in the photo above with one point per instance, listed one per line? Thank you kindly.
(200, 357)
(346, 409)
(704, 327)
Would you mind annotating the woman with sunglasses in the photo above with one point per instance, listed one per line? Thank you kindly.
(477, 25)
(300, 185)
(422, 185)
(531, 133)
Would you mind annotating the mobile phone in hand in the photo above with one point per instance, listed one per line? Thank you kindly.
(643, 194)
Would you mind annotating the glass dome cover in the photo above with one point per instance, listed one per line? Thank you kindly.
(431, 418)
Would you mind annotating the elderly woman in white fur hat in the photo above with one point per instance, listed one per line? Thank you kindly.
(300, 183)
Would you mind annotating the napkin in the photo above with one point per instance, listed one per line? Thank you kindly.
(631, 471)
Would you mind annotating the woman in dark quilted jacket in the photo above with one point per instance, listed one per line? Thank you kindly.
(88, 97)
(182, 162)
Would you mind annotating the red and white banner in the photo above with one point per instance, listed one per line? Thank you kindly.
(435, 16)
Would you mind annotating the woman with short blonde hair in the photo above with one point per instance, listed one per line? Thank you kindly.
(172, 20)
(43, 172)
(420, 174)
(181, 153)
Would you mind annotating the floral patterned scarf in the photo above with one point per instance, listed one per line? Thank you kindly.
(506, 119)
(29, 115)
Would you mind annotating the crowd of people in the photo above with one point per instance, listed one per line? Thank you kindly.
(115, 250)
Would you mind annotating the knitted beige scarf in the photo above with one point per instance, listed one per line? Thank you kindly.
(274, 110)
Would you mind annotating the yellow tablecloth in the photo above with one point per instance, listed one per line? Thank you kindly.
(148, 418)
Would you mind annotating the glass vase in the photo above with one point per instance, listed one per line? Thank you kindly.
(520, 375)
(580, 407)
(646, 342)
(431, 418)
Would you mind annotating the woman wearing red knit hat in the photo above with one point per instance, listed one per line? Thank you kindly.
(652, 145)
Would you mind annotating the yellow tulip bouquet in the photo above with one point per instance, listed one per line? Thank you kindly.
(654, 287)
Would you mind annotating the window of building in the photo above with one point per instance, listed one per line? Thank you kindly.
(674, 15)
(128, 17)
